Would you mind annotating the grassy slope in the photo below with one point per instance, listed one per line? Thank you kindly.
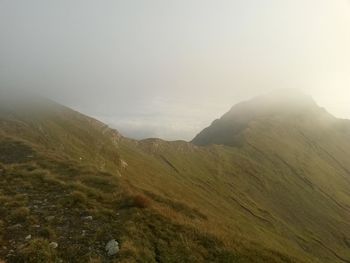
(286, 187)
(55, 128)
(270, 199)
(58, 167)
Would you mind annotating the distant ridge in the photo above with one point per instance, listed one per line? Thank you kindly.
(228, 129)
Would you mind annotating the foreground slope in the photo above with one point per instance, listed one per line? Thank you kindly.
(268, 182)
(63, 197)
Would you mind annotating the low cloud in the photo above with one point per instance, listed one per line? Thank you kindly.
(168, 70)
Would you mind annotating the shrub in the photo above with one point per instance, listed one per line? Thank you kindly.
(141, 201)
(47, 232)
(37, 251)
(75, 199)
(20, 214)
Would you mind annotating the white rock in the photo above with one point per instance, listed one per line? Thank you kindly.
(53, 245)
(28, 237)
(123, 164)
(112, 247)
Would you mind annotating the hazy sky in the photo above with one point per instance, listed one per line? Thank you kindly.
(161, 68)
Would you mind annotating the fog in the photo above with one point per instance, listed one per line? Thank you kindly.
(168, 68)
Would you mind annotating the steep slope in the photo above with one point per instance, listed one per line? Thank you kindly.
(268, 182)
(56, 129)
(228, 129)
(62, 197)
(280, 179)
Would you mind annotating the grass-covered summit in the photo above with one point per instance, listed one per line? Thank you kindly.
(229, 129)
(268, 182)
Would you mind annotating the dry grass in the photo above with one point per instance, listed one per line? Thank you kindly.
(222, 194)
(141, 201)
(20, 214)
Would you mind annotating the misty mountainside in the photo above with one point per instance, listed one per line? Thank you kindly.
(267, 182)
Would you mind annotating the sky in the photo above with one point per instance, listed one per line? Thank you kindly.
(161, 68)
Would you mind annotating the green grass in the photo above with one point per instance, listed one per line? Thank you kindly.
(279, 195)
(120, 215)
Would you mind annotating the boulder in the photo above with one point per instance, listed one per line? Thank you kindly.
(112, 247)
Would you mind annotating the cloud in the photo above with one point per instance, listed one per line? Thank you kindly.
(162, 118)
(169, 68)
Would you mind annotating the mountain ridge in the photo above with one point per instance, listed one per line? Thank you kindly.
(289, 103)
(267, 197)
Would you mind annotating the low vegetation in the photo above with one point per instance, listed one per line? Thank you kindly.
(69, 185)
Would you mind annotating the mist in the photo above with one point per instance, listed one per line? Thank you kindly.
(168, 69)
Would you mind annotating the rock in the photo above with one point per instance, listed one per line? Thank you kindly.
(123, 164)
(29, 237)
(112, 247)
(89, 218)
(53, 245)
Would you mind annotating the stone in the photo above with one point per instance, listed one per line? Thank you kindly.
(112, 247)
(89, 218)
(123, 164)
(53, 245)
(29, 237)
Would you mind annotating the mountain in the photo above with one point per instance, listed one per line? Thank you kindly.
(268, 182)
(228, 129)
(57, 129)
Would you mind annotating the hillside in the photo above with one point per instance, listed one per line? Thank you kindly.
(228, 129)
(268, 182)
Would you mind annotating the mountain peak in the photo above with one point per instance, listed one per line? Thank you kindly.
(283, 102)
